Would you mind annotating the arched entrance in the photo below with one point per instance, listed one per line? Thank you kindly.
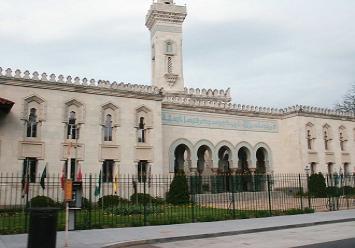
(261, 169)
(224, 170)
(182, 160)
(180, 156)
(243, 166)
(244, 158)
(261, 155)
(204, 158)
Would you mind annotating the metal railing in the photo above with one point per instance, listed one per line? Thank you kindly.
(132, 201)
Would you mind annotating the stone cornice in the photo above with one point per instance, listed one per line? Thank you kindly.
(215, 106)
(165, 13)
(81, 86)
(213, 110)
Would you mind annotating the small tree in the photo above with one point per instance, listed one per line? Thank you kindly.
(179, 191)
(317, 186)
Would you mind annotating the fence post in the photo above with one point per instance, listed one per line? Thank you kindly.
(269, 193)
(231, 180)
(90, 200)
(144, 201)
(300, 189)
(308, 193)
(193, 186)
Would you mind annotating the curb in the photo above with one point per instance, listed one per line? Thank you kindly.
(221, 234)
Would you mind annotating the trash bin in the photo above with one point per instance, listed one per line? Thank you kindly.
(42, 231)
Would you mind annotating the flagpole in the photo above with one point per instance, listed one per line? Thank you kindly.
(27, 182)
(66, 243)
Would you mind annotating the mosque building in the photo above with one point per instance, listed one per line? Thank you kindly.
(164, 127)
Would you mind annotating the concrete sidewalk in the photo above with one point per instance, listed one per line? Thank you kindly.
(121, 237)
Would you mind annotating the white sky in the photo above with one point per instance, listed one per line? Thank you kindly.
(271, 53)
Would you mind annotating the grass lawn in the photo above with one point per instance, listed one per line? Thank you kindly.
(14, 221)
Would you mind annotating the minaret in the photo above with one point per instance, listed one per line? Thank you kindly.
(164, 21)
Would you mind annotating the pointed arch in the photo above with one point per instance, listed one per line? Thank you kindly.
(267, 154)
(111, 109)
(76, 106)
(172, 150)
(207, 143)
(146, 113)
(37, 103)
(228, 144)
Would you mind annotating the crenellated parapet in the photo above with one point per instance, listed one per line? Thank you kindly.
(257, 110)
(76, 81)
(222, 105)
(316, 111)
(209, 94)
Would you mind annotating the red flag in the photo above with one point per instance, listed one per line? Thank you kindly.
(62, 178)
(79, 176)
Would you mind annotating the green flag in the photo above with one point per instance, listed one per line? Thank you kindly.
(44, 175)
(98, 186)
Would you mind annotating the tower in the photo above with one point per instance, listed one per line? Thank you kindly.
(164, 21)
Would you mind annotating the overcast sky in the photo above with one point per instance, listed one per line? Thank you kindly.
(270, 52)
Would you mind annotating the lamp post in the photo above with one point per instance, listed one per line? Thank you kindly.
(307, 169)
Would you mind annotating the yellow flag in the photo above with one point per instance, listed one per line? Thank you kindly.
(115, 180)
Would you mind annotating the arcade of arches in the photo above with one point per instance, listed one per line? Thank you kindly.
(205, 159)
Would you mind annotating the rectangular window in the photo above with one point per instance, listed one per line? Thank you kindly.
(31, 129)
(72, 169)
(73, 132)
(30, 169)
(107, 171)
(107, 133)
(142, 171)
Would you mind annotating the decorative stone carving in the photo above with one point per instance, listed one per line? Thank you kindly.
(17, 73)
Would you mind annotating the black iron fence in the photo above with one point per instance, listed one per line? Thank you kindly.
(157, 200)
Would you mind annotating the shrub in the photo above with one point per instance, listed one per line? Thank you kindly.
(333, 191)
(42, 201)
(294, 211)
(317, 186)
(308, 210)
(141, 198)
(134, 209)
(111, 201)
(179, 192)
(347, 190)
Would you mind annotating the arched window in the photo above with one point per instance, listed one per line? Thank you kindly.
(310, 137)
(32, 123)
(309, 140)
(108, 128)
(141, 130)
(72, 128)
(326, 140)
(342, 138)
(169, 47)
(341, 141)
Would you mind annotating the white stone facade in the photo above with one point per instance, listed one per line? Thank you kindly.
(166, 126)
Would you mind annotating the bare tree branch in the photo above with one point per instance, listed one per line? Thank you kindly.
(348, 103)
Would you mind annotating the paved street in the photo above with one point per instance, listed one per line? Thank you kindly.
(297, 237)
(257, 237)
